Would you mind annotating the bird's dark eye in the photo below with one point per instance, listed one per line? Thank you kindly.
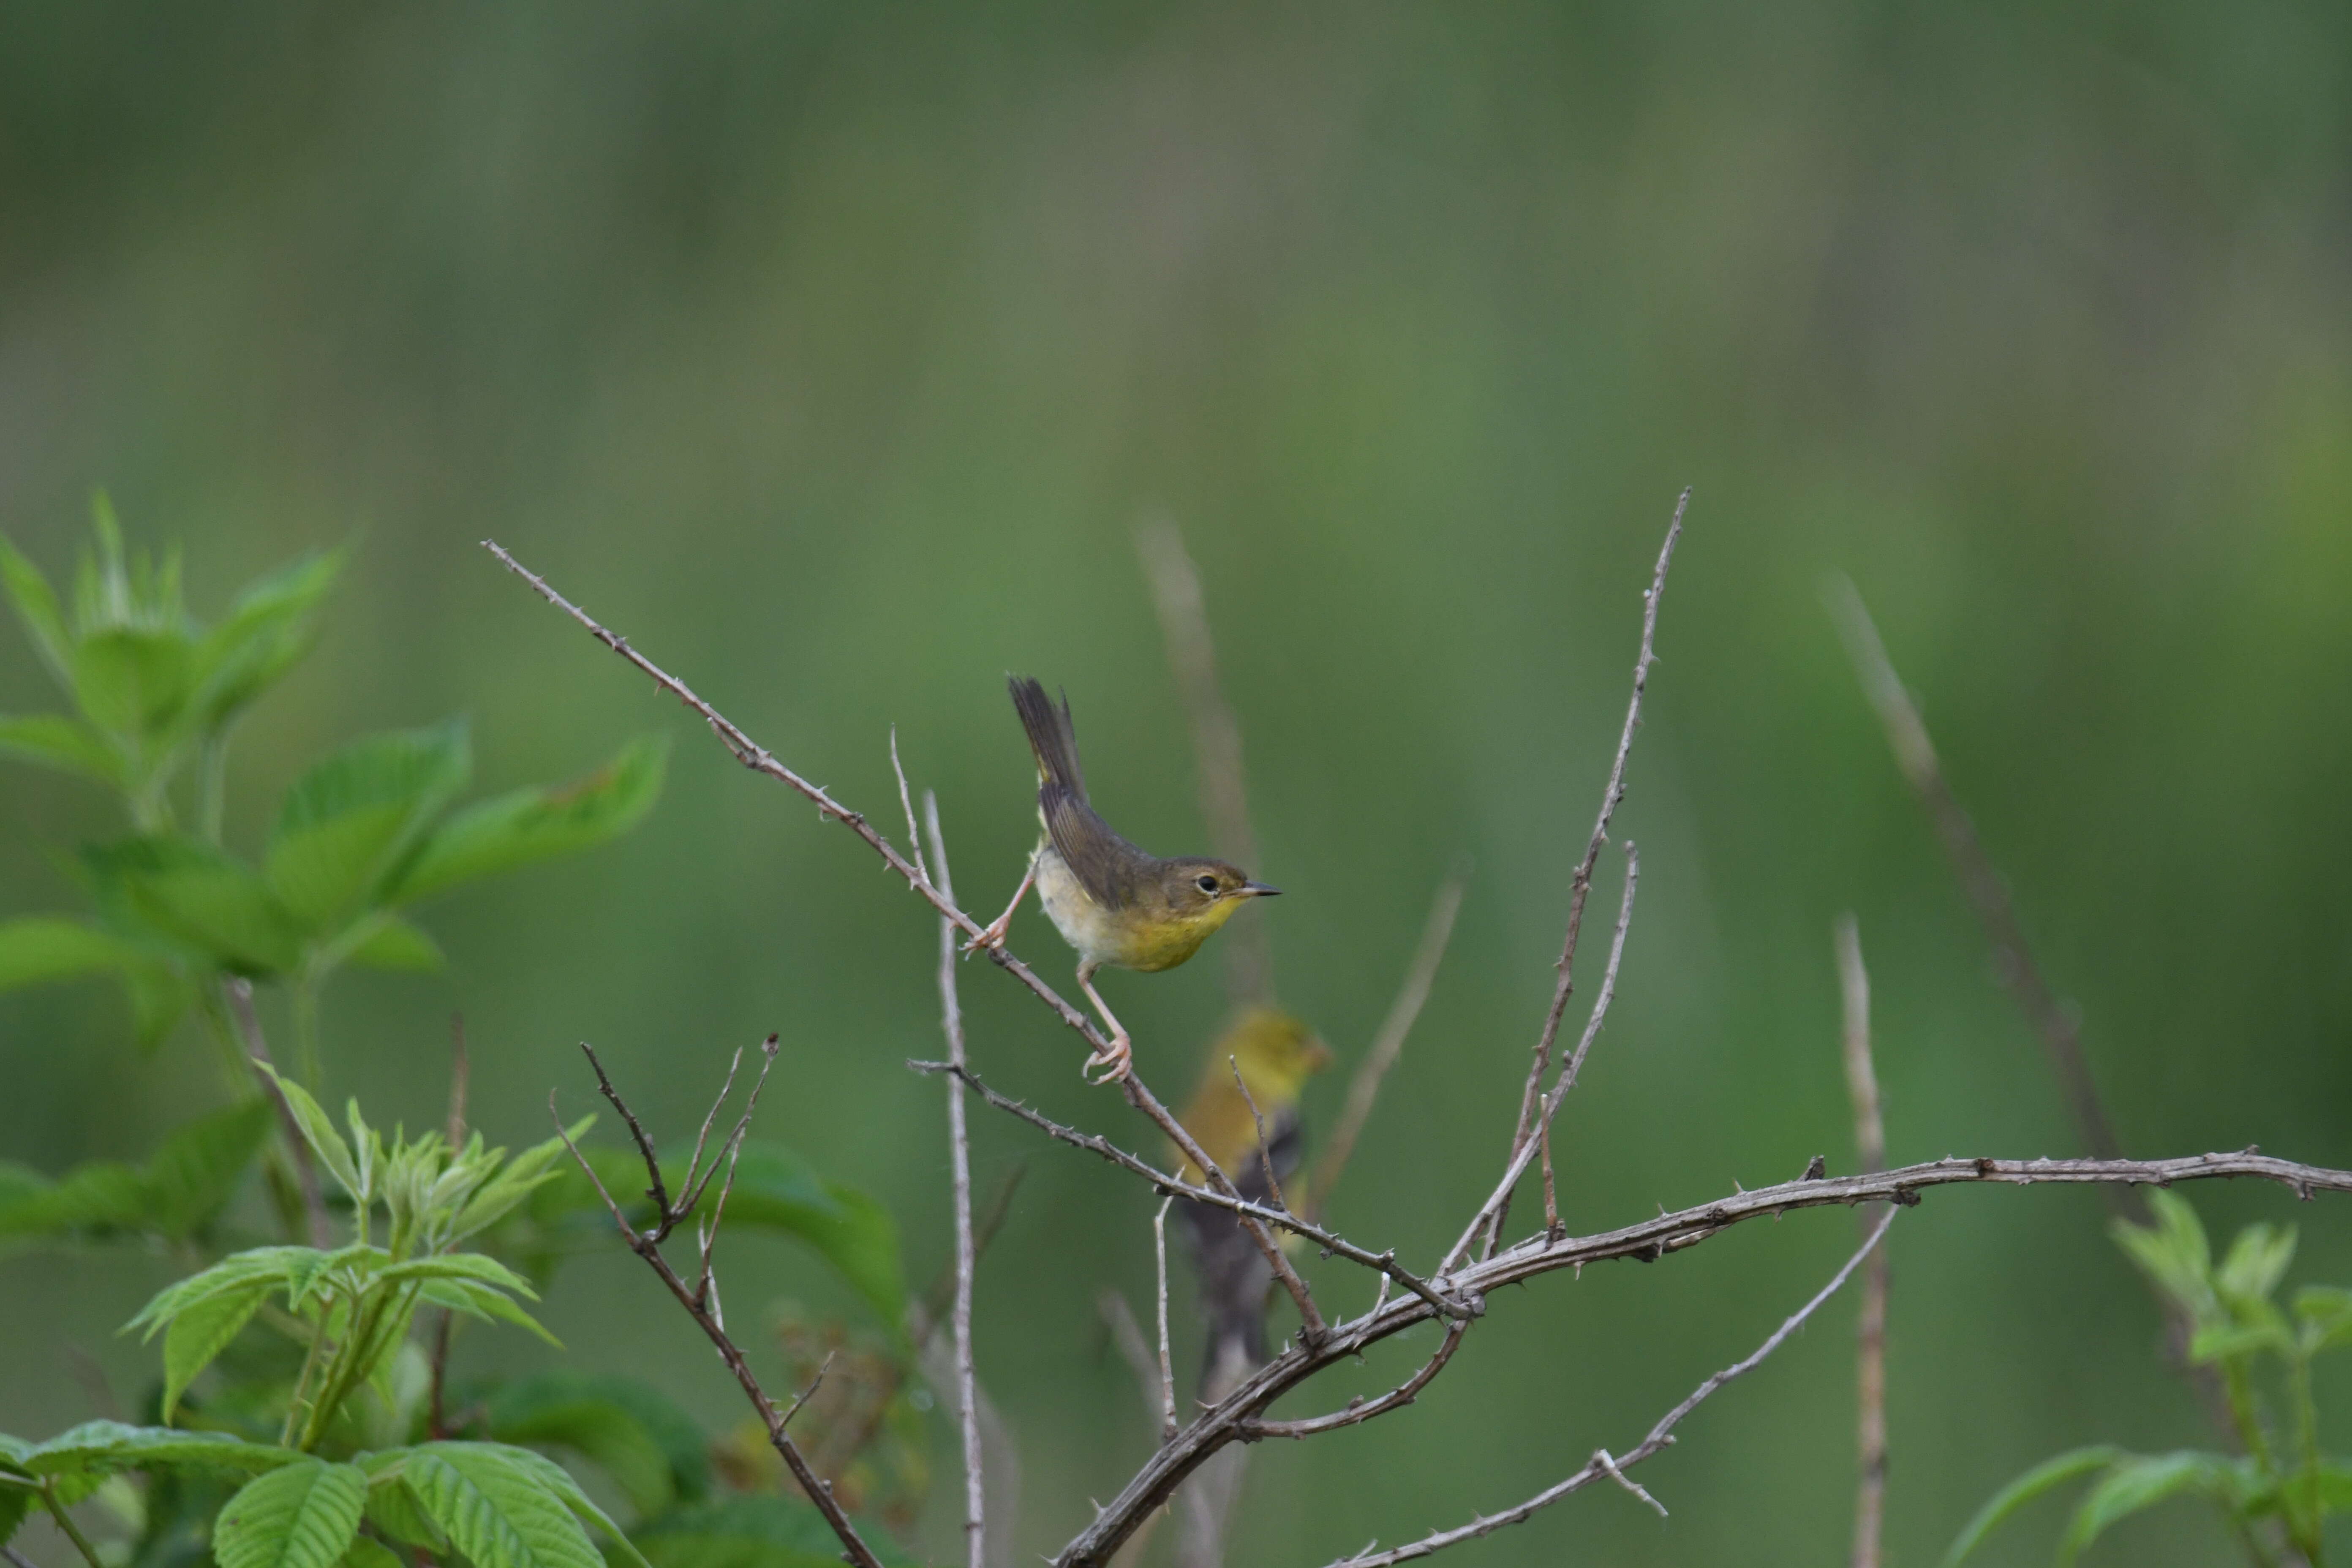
(1207, 884)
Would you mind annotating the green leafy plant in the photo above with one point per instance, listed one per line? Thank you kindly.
(2276, 1496)
(300, 1418)
(362, 837)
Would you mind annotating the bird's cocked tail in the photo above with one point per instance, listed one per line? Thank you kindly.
(1052, 738)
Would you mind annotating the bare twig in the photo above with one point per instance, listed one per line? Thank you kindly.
(1497, 1209)
(707, 1287)
(1870, 1356)
(1385, 1262)
(238, 993)
(975, 1497)
(700, 1305)
(759, 760)
(907, 804)
(803, 1396)
(1987, 893)
(1359, 1410)
(1601, 1465)
(1167, 1365)
(1264, 1154)
(1216, 738)
(1581, 885)
(1127, 1336)
(17, 1559)
(1365, 1087)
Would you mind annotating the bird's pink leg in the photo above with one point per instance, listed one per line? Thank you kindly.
(1115, 1059)
(993, 934)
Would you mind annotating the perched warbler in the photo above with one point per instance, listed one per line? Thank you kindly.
(1276, 1054)
(1114, 903)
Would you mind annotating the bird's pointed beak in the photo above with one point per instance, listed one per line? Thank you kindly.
(1318, 1054)
(1259, 891)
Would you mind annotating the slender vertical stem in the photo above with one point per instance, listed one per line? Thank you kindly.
(58, 1511)
(237, 993)
(960, 1158)
(1167, 1365)
(1870, 1355)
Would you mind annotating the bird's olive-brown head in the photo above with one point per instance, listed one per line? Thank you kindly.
(1194, 887)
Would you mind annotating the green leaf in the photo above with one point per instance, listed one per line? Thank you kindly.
(462, 1266)
(530, 825)
(2140, 1481)
(273, 1265)
(105, 1446)
(2044, 1476)
(2222, 1341)
(37, 608)
(319, 1131)
(651, 1448)
(2173, 1253)
(2258, 1260)
(198, 896)
(481, 1301)
(392, 1507)
(351, 817)
(40, 948)
(366, 1553)
(265, 631)
(201, 1334)
(750, 1533)
(303, 1515)
(69, 745)
(495, 1510)
(558, 1481)
(132, 680)
(99, 1196)
(777, 1190)
(521, 1176)
(391, 942)
(2326, 1311)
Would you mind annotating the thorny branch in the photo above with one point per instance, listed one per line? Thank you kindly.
(1094, 1143)
(700, 1300)
(1581, 886)
(1602, 1467)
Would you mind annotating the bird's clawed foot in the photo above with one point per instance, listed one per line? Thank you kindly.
(1117, 1059)
(990, 935)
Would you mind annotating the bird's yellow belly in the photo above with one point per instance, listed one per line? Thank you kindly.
(1129, 939)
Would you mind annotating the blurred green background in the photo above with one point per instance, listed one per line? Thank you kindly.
(833, 353)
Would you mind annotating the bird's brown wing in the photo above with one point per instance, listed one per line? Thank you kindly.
(1106, 865)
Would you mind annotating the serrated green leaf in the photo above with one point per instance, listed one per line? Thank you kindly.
(751, 1532)
(264, 633)
(2137, 1482)
(531, 824)
(391, 1508)
(2044, 1476)
(482, 1301)
(41, 948)
(391, 943)
(302, 1515)
(199, 1334)
(559, 1483)
(495, 1510)
(2257, 1261)
(350, 819)
(133, 680)
(462, 1266)
(38, 611)
(367, 1553)
(2173, 1253)
(651, 1448)
(105, 1446)
(515, 1182)
(198, 896)
(319, 1131)
(270, 1265)
(775, 1189)
(69, 745)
